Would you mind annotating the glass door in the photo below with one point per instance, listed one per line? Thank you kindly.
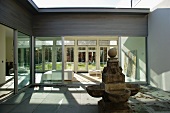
(23, 56)
(86, 58)
(82, 64)
(58, 58)
(48, 60)
(38, 59)
(91, 58)
(69, 63)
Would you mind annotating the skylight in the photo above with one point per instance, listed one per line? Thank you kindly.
(82, 3)
(96, 3)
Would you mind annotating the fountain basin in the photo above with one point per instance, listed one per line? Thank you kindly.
(134, 88)
(95, 90)
(118, 96)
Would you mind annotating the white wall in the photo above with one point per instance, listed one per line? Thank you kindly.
(138, 44)
(9, 50)
(2, 54)
(159, 48)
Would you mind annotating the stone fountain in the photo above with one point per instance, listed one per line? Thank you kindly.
(113, 89)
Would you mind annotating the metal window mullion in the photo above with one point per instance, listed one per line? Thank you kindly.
(15, 61)
(62, 60)
(32, 66)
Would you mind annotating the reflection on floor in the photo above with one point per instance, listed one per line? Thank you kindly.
(83, 78)
(7, 88)
(78, 78)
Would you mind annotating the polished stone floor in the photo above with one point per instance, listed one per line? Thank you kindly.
(53, 99)
(78, 78)
(74, 99)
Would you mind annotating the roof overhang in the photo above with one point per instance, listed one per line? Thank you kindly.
(93, 10)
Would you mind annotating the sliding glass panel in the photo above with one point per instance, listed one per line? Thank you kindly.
(133, 57)
(23, 60)
(48, 59)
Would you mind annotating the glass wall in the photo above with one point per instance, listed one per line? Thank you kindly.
(48, 60)
(23, 60)
(133, 58)
(80, 55)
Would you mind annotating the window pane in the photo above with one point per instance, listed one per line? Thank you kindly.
(108, 42)
(86, 42)
(68, 42)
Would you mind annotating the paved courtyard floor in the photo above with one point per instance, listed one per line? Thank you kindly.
(75, 99)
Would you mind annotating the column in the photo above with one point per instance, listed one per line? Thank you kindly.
(54, 57)
(2, 55)
(98, 55)
(15, 52)
(32, 60)
(75, 56)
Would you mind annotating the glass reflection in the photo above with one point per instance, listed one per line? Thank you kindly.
(23, 60)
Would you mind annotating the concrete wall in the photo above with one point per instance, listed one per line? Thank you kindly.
(158, 48)
(138, 44)
(2, 54)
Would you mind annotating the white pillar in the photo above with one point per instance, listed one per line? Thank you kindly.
(54, 57)
(75, 56)
(2, 55)
(98, 55)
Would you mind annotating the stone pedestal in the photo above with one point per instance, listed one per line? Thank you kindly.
(110, 107)
(113, 89)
